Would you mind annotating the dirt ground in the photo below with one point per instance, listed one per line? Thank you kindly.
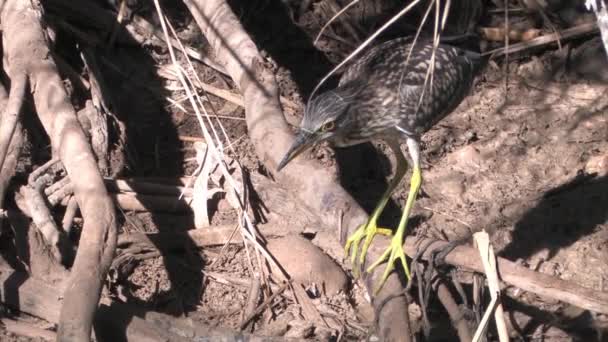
(517, 162)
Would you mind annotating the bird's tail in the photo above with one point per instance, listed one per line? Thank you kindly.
(469, 44)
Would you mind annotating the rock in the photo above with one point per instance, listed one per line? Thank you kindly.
(452, 187)
(597, 165)
(467, 159)
(534, 69)
(299, 329)
(307, 264)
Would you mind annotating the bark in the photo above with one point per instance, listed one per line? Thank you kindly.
(113, 321)
(28, 57)
(541, 284)
(312, 185)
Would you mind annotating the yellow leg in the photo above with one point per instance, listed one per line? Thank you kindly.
(370, 229)
(394, 253)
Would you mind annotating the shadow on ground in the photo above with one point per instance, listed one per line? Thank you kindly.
(564, 215)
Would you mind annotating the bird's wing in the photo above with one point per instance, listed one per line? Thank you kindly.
(369, 59)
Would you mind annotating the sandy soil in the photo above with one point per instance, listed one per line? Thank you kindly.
(518, 163)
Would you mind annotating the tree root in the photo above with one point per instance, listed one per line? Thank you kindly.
(29, 60)
(541, 284)
(271, 136)
(11, 157)
(113, 321)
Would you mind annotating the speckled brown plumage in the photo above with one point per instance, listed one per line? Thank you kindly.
(386, 95)
(379, 95)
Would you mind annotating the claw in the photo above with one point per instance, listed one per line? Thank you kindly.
(367, 231)
(393, 253)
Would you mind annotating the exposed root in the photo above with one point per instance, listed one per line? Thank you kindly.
(114, 321)
(541, 284)
(271, 137)
(29, 58)
(55, 238)
(12, 154)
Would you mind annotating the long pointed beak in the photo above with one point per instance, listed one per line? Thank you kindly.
(303, 141)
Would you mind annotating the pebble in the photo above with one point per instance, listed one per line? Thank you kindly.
(597, 165)
(467, 159)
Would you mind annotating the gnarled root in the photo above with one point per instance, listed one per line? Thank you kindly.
(29, 61)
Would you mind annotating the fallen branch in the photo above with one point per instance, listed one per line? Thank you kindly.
(538, 283)
(210, 236)
(271, 136)
(263, 306)
(574, 32)
(130, 196)
(11, 158)
(29, 58)
(113, 321)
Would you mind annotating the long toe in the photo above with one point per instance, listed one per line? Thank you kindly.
(394, 253)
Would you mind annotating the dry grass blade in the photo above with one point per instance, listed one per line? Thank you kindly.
(573, 32)
(506, 4)
(485, 320)
(352, 3)
(364, 45)
(248, 230)
(488, 259)
(436, 39)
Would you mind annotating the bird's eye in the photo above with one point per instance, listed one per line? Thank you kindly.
(328, 126)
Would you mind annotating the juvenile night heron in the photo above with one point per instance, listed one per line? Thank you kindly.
(384, 95)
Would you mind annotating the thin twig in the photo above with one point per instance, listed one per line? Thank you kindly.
(254, 296)
(574, 32)
(339, 13)
(364, 45)
(263, 306)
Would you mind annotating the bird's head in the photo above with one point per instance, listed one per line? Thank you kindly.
(325, 118)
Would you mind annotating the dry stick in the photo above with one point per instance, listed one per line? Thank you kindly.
(254, 296)
(211, 236)
(149, 198)
(222, 93)
(218, 154)
(574, 32)
(271, 136)
(456, 316)
(45, 222)
(10, 161)
(115, 321)
(352, 3)
(348, 26)
(365, 44)
(511, 273)
(263, 305)
(146, 26)
(26, 45)
(77, 79)
(90, 14)
(10, 117)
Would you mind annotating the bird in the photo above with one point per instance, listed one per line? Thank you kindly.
(388, 94)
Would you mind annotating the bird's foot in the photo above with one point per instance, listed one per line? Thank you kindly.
(367, 231)
(394, 253)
